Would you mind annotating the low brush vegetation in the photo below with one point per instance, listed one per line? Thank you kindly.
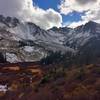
(58, 76)
(54, 83)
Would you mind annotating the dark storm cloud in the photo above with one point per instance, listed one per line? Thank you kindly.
(84, 2)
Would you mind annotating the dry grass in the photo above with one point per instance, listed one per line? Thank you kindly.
(78, 83)
(15, 68)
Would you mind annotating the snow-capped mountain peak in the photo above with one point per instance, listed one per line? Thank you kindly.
(18, 38)
(18, 35)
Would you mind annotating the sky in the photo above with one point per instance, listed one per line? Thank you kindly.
(72, 17)
(52, 13)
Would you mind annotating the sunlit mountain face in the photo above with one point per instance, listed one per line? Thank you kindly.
(49, 49)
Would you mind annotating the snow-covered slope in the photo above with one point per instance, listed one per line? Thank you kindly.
(24, 41)
(79, 36)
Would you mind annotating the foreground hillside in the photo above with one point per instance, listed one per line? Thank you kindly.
(32, 81)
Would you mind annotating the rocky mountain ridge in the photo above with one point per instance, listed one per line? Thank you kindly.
(25, 41)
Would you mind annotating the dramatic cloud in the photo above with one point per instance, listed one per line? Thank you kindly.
(90, 8)
(25, 10)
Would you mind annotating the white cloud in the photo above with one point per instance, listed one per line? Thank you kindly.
(90, 8)
(76, 24)
(68, 6)
(25, 10)
(46, 19)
